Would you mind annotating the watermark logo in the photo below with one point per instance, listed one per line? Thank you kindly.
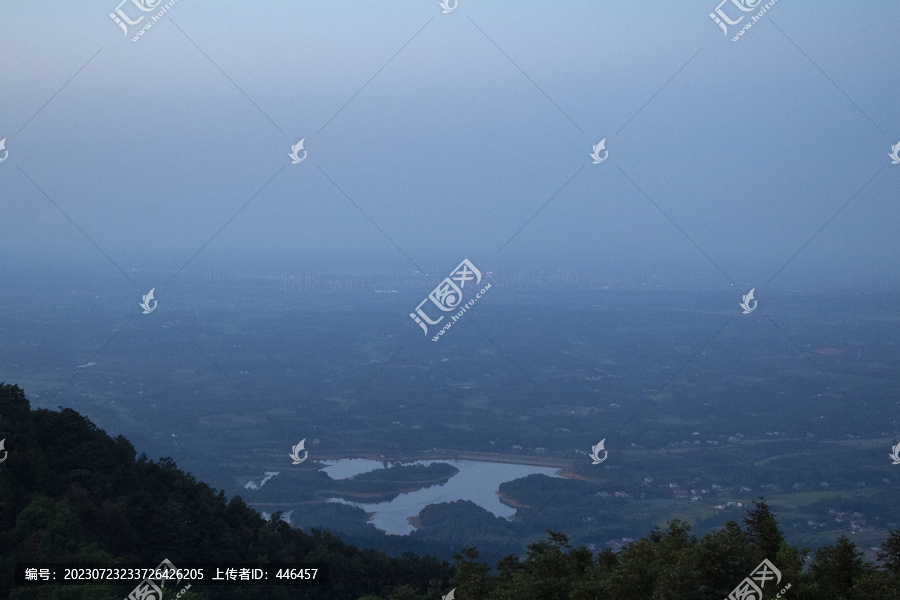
(6, 152)
(148, 298)
(895, 455)
(296, 159)
(722, 19)
(3, 441)
(295, 452)
(751, 587)
(748, 298)
(449, 596)
(595, 452)
(148, 588)
(895, 153)
(121, 19)
(596, 153)
(447, 297)
(448, 7)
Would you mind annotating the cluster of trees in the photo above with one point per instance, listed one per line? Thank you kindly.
(383, 485)
(70, 493)
(672, 564)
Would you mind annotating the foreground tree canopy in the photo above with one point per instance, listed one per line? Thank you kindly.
(70, 493)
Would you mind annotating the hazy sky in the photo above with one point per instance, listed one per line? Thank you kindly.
(451, 132)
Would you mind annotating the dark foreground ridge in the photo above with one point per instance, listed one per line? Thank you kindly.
(70, 493)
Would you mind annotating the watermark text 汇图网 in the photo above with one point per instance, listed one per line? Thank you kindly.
(121, 18)
(448, 296)
(723, 19)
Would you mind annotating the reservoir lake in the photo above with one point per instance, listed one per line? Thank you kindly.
(477, 481)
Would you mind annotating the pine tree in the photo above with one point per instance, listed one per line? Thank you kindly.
(890, 553)
(837, 568)
(763, 531)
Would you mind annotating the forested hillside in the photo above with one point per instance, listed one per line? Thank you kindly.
(70, 493)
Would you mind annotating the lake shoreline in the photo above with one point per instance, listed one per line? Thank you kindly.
(476, 481)
(445, 455)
